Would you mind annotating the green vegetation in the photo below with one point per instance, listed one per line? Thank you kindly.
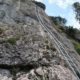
(1, 31)
(59, 24)
(41, 5)
(14, 72)
(76, 7)
(76, 45)
(58, 20)
(12, 40)
(70, 31)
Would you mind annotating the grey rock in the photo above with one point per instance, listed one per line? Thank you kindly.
(2, 14)
(24, 52)
(50, 73)
(5, 75)
(1, 1)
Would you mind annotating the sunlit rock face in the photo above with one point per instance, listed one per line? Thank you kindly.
(12, 11)
(27, 52)
(18, 20)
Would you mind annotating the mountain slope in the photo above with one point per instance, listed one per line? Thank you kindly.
(30, 48)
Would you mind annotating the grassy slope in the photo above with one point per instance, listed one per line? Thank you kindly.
(76, 45)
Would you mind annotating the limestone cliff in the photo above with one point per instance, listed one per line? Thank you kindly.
(28, 49)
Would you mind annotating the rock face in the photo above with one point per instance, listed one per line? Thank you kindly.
(27, 52)
(50, 73)
(5, 75)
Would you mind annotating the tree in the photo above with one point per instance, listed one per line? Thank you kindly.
(76, 6)
(59, 20)
(40, 4)
(71, 31)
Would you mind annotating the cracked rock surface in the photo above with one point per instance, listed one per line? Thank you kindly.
(26, 50)
(5, 75)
